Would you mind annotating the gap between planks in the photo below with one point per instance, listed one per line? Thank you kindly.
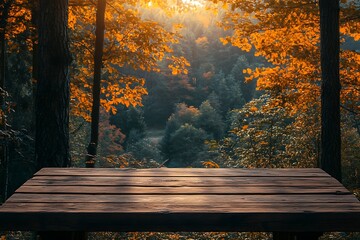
(184, 172)
(235, 190)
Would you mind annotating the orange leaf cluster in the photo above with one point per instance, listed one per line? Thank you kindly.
(286, 34)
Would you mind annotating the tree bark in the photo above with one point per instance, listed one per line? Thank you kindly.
(330, 88)
(95, 112)
(4, 163)
(52, 95)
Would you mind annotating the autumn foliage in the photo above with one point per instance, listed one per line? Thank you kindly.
(286, 34)
(130, 42)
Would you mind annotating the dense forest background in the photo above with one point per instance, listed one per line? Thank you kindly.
(186, 84)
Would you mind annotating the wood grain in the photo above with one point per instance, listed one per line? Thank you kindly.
(177, 181)
(175, 190)
(181, 200)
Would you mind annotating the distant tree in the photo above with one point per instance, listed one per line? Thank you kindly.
(210, 121)
(185, 145)
(303, 143)
(145, 149)
(257, 137)
(350, 154)
(182, 115)
(214, 101)
(168, 90)
(186, 130)
(247, 88)
(228, 89)
(159, 103)
(131, 122)
(111, 138)
(52, 96)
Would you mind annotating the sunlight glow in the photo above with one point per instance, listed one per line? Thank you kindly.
(197, 3)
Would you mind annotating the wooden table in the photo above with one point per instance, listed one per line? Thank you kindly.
(301, 201)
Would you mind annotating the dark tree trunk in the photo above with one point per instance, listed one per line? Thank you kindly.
(52, 95)
(4, 163)
(330, 88)
(95, 112)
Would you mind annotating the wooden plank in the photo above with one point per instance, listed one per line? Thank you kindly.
(135, 190)
(189, 208)
(125, 218)
(183, 172)
(176, 181)
(215, 199)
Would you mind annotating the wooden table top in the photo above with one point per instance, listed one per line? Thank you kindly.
(179, 199)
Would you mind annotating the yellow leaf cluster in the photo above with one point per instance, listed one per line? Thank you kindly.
(178, 65)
